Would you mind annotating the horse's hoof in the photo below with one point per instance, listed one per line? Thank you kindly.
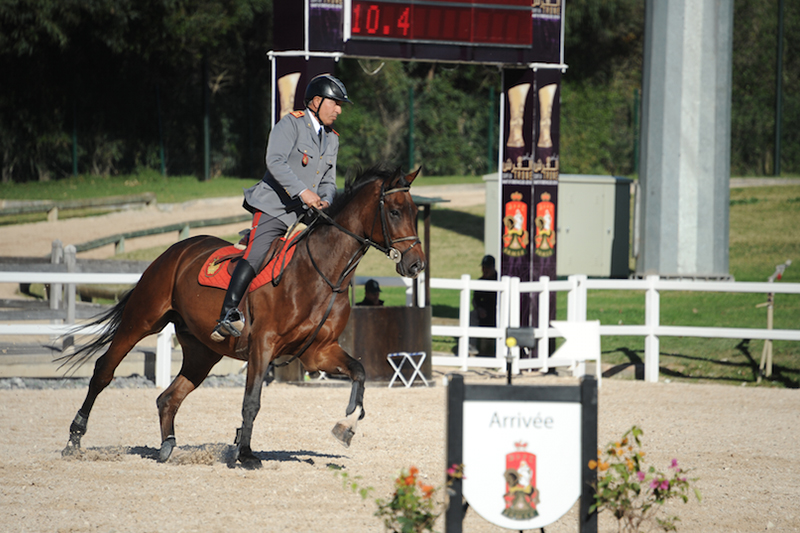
(71, 450)
(343, 434)
(166, 449)
(248, 460)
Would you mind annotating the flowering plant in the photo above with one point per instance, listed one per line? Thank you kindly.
(631, 490)
(413, 507)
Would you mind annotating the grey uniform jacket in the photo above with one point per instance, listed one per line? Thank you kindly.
(296, 160)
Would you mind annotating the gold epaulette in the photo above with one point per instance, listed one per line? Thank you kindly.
(334, 131)
(298, 114)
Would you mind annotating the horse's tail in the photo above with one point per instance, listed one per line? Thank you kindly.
(111, 319)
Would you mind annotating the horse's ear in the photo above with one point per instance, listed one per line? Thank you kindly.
(410, 177)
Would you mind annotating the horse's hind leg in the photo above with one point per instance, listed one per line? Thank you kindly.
(123, 342)
(198, 360)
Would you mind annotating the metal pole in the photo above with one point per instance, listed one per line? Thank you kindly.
(160, 132)
(779, 91)
(636, 131)
(206, 125)
(74, 138)
(490, 161)
(410, 129)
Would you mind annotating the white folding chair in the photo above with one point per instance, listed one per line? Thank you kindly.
(399, 359)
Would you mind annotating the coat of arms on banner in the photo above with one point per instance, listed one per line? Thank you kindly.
(545, 231)
(515, 234)
(522, 496)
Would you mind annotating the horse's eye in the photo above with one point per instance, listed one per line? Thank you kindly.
(395, 213)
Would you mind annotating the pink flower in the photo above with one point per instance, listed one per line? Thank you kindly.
(640, 475)
(654, 484)
(674, 464)
(664, 485)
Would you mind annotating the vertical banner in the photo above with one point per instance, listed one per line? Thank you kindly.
(325, 25)
(292, 74)
(516, 182)
(545, 179)
(529, 181)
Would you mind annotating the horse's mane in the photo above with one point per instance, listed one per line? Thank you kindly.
(357, 180)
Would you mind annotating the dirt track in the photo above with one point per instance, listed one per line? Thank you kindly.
(743, 444)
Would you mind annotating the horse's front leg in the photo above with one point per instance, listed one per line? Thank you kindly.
(256, 371)
(337, 361)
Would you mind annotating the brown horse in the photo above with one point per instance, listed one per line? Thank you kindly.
(302, 315)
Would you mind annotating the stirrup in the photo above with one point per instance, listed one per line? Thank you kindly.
(231, 325)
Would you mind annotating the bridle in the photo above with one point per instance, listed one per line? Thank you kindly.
(388, 250)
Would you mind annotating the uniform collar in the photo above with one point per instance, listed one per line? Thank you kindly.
(314, 121)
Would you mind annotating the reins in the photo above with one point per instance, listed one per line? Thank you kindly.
(389, 250)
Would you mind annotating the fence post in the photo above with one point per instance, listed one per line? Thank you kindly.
(502, 318)
(543, 345)
(463, 322)
(68, 341)
(651, 320)
(184, 232)
(164, 356)
(581, 298)
(54, 294)
(119, 246)
(513, 319)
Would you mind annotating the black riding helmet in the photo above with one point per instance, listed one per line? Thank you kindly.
(326, 86)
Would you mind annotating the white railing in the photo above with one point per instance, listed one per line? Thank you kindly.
(70, 279)
(509, 292)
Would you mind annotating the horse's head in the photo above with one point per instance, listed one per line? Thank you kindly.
(376, 208)
(398, 231)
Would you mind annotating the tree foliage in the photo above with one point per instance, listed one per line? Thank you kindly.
(119, 76)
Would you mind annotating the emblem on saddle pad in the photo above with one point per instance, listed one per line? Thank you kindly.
(212, 268)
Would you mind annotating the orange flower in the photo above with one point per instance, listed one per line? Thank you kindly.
(620, 451)
(427, 490)
(592, 464)
(409, 480)
(413, 471)
(603, 466)
(629, 463)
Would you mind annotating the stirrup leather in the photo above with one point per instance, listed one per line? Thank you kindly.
(231, 325)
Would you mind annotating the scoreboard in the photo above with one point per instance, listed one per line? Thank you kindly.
(492, 22)
(503, 32)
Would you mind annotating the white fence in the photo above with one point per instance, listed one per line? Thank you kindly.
(509, 293)
(71, 279)
(576, 287)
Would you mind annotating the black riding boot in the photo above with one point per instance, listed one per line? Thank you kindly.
(231, 320)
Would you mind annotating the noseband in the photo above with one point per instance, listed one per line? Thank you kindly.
(389, 249)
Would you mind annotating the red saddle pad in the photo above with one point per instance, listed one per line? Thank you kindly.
(216, 271)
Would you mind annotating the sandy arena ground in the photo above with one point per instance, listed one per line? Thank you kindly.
(743, 444)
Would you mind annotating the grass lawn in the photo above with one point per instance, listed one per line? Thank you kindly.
(764, 232)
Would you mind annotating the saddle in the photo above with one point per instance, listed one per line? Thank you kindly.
(217, 269)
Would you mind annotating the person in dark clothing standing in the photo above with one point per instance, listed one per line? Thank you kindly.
(484, 304)
(372, 294)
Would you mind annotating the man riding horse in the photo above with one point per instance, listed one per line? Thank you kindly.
(301, 173)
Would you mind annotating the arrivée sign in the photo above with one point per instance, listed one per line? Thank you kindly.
(525, 452)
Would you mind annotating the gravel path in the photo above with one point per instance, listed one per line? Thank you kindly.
(742, 443)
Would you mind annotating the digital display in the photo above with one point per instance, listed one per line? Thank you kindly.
(470, 22)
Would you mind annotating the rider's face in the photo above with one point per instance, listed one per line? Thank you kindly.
(328, 111)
